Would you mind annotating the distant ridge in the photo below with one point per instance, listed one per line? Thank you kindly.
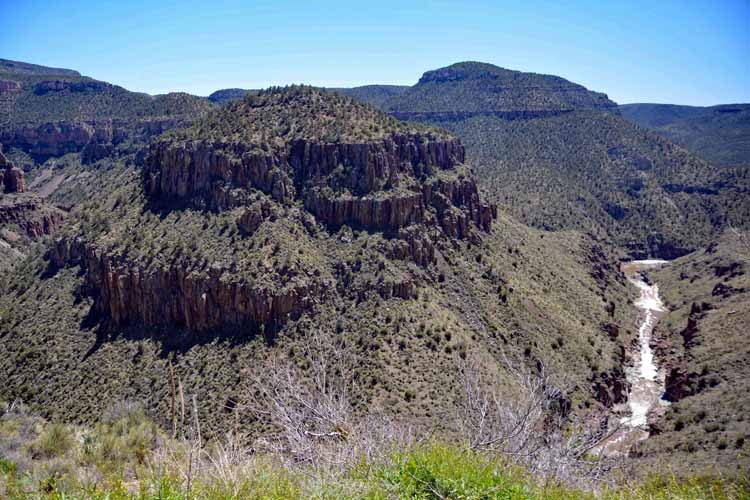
(224, 96)
(474, 87)
(560, 156)
(719, 134)
(23, 68)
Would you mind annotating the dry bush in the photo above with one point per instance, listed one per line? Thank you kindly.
(311, 411)
(532, 428)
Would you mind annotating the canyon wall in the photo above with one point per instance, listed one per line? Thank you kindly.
(183, 294)
(57, 138)
(32, 215)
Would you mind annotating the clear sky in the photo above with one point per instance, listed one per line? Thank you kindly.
(685, 52)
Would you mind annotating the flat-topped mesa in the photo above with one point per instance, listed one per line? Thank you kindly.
(346, 162)
(468, 89)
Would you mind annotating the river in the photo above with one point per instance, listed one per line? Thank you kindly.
(646, 380)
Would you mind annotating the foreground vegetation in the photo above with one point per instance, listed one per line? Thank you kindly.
(127, 457)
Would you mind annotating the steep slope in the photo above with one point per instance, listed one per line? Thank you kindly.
(298, 211)
(50, 112)
(24, 217)
(559, 156)
(718, 134)
(703, 338)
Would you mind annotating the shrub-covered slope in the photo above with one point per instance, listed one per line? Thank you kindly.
(148, 279)
(703, 342)
(559, 156)
(49, 112)
(718, 134)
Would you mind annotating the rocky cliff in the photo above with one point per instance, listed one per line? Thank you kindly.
(11, 177)
(31, 215)
(378, 185)
(52, 112)
(186, 294)
(289, 201)
(92, 137)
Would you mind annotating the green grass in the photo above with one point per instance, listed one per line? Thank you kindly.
(431, 472)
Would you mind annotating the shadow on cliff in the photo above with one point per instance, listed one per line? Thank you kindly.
(171, 340)
(162, 207)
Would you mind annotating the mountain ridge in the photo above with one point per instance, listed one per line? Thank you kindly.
(720, 134)
(548, 133)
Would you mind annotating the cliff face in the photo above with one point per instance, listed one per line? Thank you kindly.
(61, 137)
(32, 215)
(11, 177)
(25, 210)
(7, 86)
(185, 170)
(52, 112)
(372, 185)
(410, 188)
(184, 294)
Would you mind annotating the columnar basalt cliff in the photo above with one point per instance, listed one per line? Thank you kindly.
(385, 182)
(186, 294)
(280, 169)
(198, 167)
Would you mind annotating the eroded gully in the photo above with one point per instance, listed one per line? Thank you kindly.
(646, 380)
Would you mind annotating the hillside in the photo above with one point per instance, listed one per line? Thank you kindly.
(480, 88)
(226, 242)
(25, 218)
(224, 96)
(703, 340)
(50, 112)
(358, 227)
(371, 94)
(558, 156)
(376, 95)
(718, 134)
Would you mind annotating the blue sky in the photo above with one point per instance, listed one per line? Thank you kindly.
(685, 52)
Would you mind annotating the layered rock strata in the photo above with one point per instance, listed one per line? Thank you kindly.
(412, 186)
(381, 185)
(61, 137)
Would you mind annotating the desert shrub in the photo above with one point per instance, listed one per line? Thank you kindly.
(54, 441)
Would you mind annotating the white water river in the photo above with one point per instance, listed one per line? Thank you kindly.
(646, 381)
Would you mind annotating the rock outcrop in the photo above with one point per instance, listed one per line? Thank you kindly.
(32, 215)
(184, 294)
(381, 185)
(11, 177)
(95, 138)
(44, 87)
(7, 86)
(379, 175)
